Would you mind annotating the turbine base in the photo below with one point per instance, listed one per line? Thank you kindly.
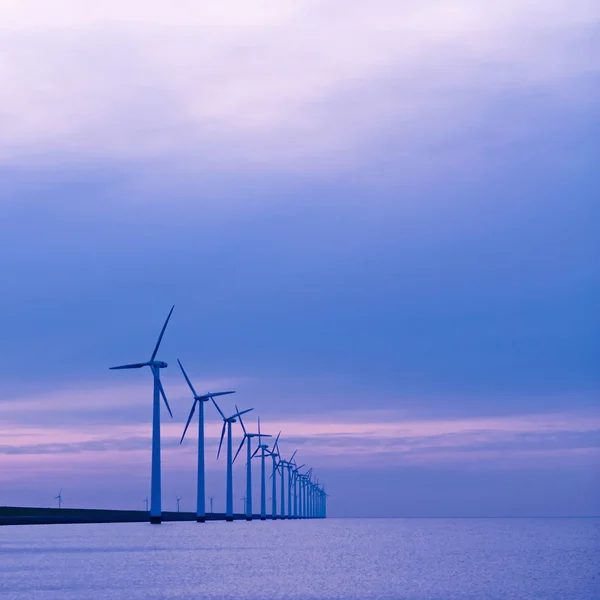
(263, 518)
(155, 520)
(200, 519)
(229, 519)
(248, 518)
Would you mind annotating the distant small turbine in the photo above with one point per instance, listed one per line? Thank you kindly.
(146, 503)
(227, 422)
(199, 400)
(211, 498)
(59, 498)
(178, 500)
(155, 366)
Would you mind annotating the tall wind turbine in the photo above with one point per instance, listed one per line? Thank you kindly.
(155, 366)
(59, 498)
(200, 400)
(227, 422)
(264, 449)
(248, 440)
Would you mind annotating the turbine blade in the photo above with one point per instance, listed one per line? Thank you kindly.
(291, 459)
(276, 445)
(217, 407)
(239, 414)
(255, 452)
(189, 420)
(187, 378)
(160, 337)
(238, 450)
(241, 421)
(162, 393)
(131, 366)
(222, 435)
(210, 395)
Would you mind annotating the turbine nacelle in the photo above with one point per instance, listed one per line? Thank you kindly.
(154, 364)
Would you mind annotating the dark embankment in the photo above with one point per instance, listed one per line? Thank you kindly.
(17, 515)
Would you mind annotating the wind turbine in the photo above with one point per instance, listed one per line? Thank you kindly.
(305, 500)
(227, 422)
(274, 453)
(264, 448)
(248, 440)
(146, 503)
(323, 503)
(211, 498)
(289, 464)
(281, 466)
(155, 366)
(59, 498)
(295, 477)
(199, 400)
(178, 499)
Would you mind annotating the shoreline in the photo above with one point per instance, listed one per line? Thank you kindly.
(25, 515)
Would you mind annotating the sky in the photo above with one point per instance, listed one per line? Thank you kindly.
(377, 222)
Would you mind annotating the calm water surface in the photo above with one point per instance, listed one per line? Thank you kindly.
(433, 559)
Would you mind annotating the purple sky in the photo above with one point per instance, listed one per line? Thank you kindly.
(378, 223)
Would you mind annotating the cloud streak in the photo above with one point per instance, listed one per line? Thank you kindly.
(341, 438)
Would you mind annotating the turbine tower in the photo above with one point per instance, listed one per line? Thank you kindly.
(200, 400)
(178, 500)
(227, 422)
(248, 440)
(281, 466)
(155, 366)
(264, 450)
(59, 498)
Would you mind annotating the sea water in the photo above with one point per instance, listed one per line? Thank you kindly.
(425, 559)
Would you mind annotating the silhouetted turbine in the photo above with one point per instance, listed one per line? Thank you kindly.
(199, 400)
(155, 366)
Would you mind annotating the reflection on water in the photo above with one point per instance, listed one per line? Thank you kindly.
(425, 559)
